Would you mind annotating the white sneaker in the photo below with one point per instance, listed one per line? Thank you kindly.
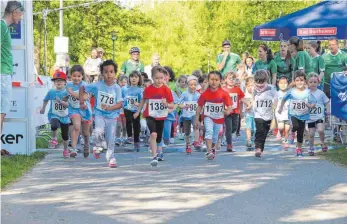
(181, 136)
(82, 140)
(112, 163)
(163, 145)
(108, 155)
(154, 162)
(172, 141)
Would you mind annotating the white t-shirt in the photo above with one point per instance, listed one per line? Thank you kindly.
(263, 103)
(318, 111)
(148, 71)
(284, 115)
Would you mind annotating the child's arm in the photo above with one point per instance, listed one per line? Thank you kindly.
(114, 107)
(197, 115)
(248, 104)
(281, 106)
(63, 101)
(42, 111)
(142, 102)
(81, 93)
(72, 93)
(228, 110)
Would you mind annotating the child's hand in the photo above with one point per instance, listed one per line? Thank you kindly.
(69, 90)
(42, 111)
(196, 125)
(136, 114)
(57, 99)
(249, 106)
(136, 104)
(312, 105)
(279, 110)
(83, 106)
(164, 101)
(104, 107)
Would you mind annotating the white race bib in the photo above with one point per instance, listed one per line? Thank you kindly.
(298, 107)
(156, 108)
(59, 109)
(234, 99)
(214, 110)
(73, 101)
(317, 112)
(190, 111)
(264, 107)
(105, 98)
(131, 100)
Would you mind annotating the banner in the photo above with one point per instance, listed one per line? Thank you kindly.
(338, 90)
(14, 138)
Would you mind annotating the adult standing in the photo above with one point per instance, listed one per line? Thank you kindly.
(284, 62)
(335, 61)
(101, 53)
(302, 60)
(132, 64)
(155, 62)
(14, 12)
(227, 61)
(266, 62)
(92, 66)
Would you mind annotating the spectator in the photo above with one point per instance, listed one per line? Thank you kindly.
(13, 14)
(132, 64)
(92, 66)
(284, 62)
(155, 61)
(101, 53)
(266, 62)
(302, 60)
(227, 61)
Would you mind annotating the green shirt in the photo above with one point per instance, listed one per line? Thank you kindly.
(303, 60)
(230, 63)
(284, 68)
(6, 53)
(271, 67)
(334, 63)
(129, 65)
(318, 64)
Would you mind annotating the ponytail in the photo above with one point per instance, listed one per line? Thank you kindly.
(269, 55)
(315, 45)
(299, 44)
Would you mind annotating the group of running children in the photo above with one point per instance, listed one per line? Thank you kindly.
(211, 104)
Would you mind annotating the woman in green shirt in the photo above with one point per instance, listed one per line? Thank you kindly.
(266, 62)
(302, 61)
(318, 63)
(284, 62)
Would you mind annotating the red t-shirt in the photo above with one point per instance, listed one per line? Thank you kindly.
(214, 103)
(156, 94)
(236, 95)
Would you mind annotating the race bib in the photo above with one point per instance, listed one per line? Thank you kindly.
(214, 110)
(234, 99)
(190, 111)
(298, 107)
(131, 100)
(105, 98)
(73, 101)
(59, 109)
(157, 109)
(264, 107)
(317, 112)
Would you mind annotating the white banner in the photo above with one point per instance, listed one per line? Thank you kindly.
(14, 138)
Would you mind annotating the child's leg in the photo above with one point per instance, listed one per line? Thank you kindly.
(76, 128)
(99, 131)
(235, 121)
(137, 128)
(228, 128)
(85, 132)
(238, 126)
(299, 127)
(167, 131)
(129, 122)
(110, 129)
(64, 134)
(208, 125)
(280, 127)
(118, 127)
(320, 129)
(286, 129)
(262, 129)
(124, 129)
(151, 124)
(54, 127)
(187, 128)
(216, 130)
(311, 132)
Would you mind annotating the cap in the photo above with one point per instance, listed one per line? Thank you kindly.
(99, 49)
(225, 42)
(59, 75)
(192, 77)
(134, 50)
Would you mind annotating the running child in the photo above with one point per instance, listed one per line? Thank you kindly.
(265, 100)
(58, 114)
(108, 99)
(121, 133)
(80, 118)
(282, 119)
(213, 103)
(188, 104)
(132, 96)
(299, 104)
(158, 99)
(249, 113)
(317, 117)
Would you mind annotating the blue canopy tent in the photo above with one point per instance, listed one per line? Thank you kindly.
(318, 22)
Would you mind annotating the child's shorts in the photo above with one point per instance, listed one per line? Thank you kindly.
(250, 123)
(314, 124)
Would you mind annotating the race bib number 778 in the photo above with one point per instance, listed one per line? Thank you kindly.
(105, 98)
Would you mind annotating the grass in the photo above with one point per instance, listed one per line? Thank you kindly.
(13, 167)
(338, 155)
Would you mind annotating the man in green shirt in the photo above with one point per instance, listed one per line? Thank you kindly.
(13, 14)
(227, 61)
(133, 63)
(335, 61)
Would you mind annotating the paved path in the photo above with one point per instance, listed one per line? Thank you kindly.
(187, 189)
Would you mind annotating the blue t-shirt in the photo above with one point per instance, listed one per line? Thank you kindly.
(57, 110)
(172, 115)
(131, 94)
(191, 99)
(298, 101)
(108, 95)
(74, 103)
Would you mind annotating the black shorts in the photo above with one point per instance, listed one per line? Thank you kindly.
(313, 124)
(155, 126)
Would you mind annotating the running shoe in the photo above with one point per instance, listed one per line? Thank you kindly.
(112, 163)
(154, 162)
(258, 152)
(172, 141)
(188, 149)
(211, 155)
(66, 153)
(307, 142)
(249, 145)
(73, 153)
(82, 141)
(299, 152)
(163, 145)
(197, 146)
(311, 152)
(238, 135)
(96, 152)
(223, 143)
(278, 136)
(324, 148)
(291, 138)
(181, 136)
(53, 143)
(118, 142)
(129, 141)
(137, 146)
(230, 148)
(285, 145)
(204, 147)
(86, 152)
(160, 156)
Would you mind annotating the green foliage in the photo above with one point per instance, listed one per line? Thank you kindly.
(183, 33)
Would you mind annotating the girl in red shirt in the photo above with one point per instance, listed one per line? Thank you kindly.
(213, 102)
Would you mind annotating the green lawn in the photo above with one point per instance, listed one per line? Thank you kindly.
(15, 166)
(338, 156)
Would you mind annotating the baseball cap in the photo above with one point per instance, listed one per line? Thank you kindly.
(192, 77)
(99, 49)
(59, 75)
(225, 42)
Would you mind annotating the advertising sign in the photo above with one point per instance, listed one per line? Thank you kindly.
(14, 138)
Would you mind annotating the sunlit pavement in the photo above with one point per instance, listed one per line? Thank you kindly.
(235, 188)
